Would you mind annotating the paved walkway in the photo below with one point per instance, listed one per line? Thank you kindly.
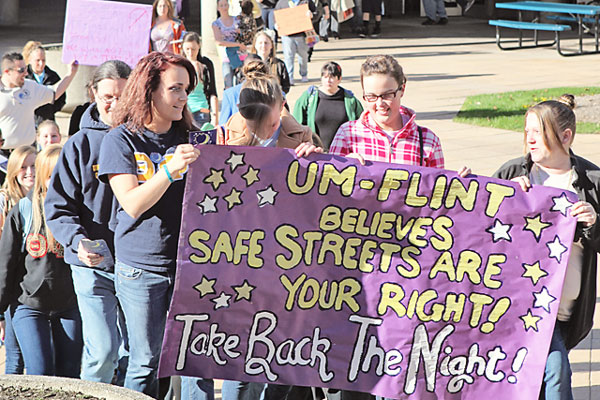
(444, 64)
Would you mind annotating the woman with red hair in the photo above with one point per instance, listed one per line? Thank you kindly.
(144, 159)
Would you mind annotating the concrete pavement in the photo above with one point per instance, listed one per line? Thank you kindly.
(444, 64)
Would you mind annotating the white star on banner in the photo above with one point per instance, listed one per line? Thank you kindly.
(208, 204)
(499, 231)
(221, 301)
(556, 249)
(543, 299)
(235, 160)
(266, 196)
(561, 204)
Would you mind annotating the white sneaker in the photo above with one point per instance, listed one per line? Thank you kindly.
(305, 79)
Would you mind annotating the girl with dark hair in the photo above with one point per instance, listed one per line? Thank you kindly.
(549, 161)
(203, 101)
(326, 107)
(36, 282)
(78, 209)
(144, 159)
(166, 31)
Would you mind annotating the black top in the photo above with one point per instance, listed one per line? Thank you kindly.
(587, 184)
(210, 83)
(47, 111)
(330, 114)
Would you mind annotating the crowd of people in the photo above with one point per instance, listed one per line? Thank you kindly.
(89, 233)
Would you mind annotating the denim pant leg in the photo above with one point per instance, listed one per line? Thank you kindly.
(430, 7)
(334, 24)
(144, 298)
(302, 49)
(289, 53)
(227, 74)
(323, 26)
(68, 342)
(557, 375)
(197, 388)
(99, 308)
(441, 9)
(14, 359)
(32, 328)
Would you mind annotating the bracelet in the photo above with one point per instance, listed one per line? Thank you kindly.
(168, 173)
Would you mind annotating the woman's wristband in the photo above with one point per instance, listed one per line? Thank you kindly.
(168, 173)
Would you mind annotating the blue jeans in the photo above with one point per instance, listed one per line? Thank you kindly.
(197, 388)
(268, 16)
(144, 298)
(557, 375)
(14, 364)
(291, 47)
(434, 9)
(51, 342)
(101, 318)
(235, 390)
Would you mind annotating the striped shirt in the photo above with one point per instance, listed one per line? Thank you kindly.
(366, 138)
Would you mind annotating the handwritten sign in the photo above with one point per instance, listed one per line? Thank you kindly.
(293, 20)
(98, 31)
(401, 281)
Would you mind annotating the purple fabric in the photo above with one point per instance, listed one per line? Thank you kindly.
(372, 292)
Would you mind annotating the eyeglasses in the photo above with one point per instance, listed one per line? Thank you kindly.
(19, 70)
(108, 99)
(387, 96)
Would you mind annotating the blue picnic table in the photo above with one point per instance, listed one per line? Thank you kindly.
(579, 13)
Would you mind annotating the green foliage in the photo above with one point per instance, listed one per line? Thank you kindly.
(507, 110)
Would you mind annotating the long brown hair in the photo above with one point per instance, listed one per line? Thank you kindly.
(135, 108)
(11, 187)
(170, 10)
(44, 164)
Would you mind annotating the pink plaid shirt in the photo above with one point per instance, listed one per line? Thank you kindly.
(364, 137)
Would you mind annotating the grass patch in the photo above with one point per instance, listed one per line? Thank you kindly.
(507, 110)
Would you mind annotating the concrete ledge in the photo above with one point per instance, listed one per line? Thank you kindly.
(102, 390)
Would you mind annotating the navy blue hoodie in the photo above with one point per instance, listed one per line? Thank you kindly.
(78, 205)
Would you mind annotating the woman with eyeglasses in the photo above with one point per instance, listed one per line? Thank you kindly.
(79, 208)
(386, 130)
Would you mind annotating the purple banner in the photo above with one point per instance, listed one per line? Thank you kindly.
(401, 281)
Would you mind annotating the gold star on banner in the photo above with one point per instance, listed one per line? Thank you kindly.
(535, 225)
(206, 286)
(534, 272)
(251, 176)
(244, 291)
(530, 321)
(215, 178)
(233, 198)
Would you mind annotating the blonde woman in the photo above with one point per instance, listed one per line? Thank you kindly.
(36, 283)
(19, 180)
(264, 47)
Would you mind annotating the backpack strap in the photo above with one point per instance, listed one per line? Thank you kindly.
(420, 145)
(25, 212)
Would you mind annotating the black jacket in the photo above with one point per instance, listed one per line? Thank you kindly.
(586, 182)
(37, 277)
(47, 111)
(279, 69)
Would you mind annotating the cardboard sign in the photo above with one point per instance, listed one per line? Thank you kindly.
(293, 20)
(402, 281)
(98, 31)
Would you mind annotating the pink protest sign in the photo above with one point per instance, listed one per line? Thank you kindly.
(97, 31)
(401, 281)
